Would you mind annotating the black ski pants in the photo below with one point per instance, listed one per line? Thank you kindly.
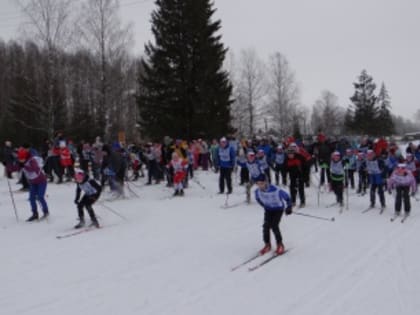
(338, 187)
(225, 176)
(403, 195)
(297, 185)
(86, 202)
(272, 222)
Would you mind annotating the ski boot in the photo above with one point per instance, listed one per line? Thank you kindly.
(33, 217)
(95, 223)
(265, 249)
(45, 216)
(280, 249)
(80, 224)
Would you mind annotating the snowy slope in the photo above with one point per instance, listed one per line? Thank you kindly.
(165, 256)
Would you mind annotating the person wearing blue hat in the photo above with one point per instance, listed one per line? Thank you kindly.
(274, 200)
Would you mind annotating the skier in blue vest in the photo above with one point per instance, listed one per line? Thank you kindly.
(274, 200)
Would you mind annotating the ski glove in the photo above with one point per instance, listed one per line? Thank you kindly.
(288, 211)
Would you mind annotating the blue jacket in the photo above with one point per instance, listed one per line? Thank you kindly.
(226, 156)
(273, 199)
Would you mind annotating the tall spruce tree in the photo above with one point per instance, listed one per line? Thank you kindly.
(183, 90)
(385, 123)
(365, 111)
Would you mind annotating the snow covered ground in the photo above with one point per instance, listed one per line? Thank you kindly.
(162, 256)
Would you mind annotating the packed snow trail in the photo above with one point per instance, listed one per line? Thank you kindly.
(174, 256)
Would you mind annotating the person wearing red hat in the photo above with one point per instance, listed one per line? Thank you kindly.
(92, 191)
(37, 182)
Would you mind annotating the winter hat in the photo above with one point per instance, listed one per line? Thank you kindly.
(79, 175)
(223, 139)
(260, 178)
(22, 154)
(402, 165)
(251, 153)
(336, 153)
(321, 137)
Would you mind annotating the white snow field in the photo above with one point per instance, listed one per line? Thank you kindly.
(173, 256)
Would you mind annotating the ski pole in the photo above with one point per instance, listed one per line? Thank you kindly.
(131, 190)
(13, 200)
(226, 201)
(314, 216)
(319, 194)
(347, 189)
(113, 211)
(198, 183)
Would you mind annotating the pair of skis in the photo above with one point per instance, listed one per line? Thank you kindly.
(371, 208)
(336, 204)
(259, 265)
(77, 232)
(402, 219)
(82, 231)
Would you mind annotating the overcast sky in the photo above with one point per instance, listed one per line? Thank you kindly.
(327, 42)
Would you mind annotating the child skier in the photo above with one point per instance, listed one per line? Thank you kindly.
(279, 165)
(179, 167)
(402, 180)
(255, 169)
(274, 201)
(350, 161)
(337, 176)
(375, 169)
(92, 191)
(362, 172)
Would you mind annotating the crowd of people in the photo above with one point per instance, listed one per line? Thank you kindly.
(373, 166)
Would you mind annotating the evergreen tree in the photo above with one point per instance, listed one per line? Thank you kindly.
(183, 89)
(365, 111)
(385, 123)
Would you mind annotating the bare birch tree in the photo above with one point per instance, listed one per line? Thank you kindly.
(283, 96)
(327, 115)
(251, 89)
(102, 32)
(47, 24)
